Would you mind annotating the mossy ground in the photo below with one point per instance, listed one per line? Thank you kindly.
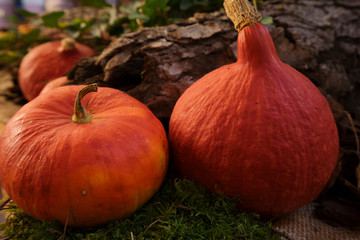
(180, 210)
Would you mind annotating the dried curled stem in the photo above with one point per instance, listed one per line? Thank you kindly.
(68, 44)
(241, 13)
(81, 115)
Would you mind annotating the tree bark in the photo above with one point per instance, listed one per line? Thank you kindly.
(156, 65)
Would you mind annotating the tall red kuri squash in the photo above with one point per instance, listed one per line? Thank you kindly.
(47, 62)
(82, 165)
(256, 129)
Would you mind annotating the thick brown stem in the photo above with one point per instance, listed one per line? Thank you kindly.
(81, 115)
(241, 13)
(68, 44)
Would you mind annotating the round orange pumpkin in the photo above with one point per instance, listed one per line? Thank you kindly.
(57, 82)
(85, 166)
(48, 61)
(257, 129)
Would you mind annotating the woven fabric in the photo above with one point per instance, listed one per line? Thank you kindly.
(302, 225)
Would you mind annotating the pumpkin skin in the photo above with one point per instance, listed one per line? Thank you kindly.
(58, 82)
(257, 130)
(99, 171)
(46, 62)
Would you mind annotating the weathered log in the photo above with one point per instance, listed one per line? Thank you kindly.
(156, 65)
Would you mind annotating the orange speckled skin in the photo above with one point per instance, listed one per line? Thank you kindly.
(57, 82)
(99, 171)
(46, 62)
(256, 129)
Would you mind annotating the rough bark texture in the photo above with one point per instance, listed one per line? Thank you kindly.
(155, 65)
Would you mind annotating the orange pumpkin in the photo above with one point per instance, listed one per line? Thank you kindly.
(55, 83)
(48, 61)
(256, 129)
(85, 166)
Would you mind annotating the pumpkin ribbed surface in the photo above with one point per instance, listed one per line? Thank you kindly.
(256, 129)
(47, 62)
(57, 82)
(92, 172)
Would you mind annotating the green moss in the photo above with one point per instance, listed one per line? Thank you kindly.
(180, 210)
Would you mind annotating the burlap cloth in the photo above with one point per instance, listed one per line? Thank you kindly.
(302, 225)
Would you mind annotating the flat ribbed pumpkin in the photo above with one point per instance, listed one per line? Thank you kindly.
(57, 82)
(257, 129)
(82, 166)
(47, 62)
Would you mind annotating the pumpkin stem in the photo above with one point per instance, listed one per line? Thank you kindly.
(80, 114)
(68, 44)
(241, 13)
